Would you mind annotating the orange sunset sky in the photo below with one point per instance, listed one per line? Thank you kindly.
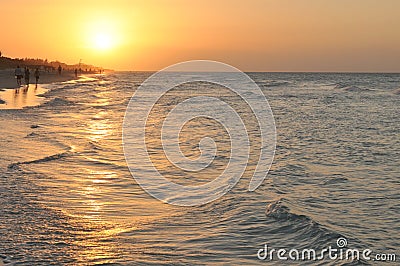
(258, 35)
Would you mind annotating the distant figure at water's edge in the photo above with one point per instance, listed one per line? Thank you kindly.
(18, 74)
(37, 76)
(27, 76)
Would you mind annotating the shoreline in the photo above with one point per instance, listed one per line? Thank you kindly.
(8, 83)
(8, 80)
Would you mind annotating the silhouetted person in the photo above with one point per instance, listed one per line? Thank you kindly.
(18, 74)
(76, 73)
(37, 76)
(59, 70)
(27, 76)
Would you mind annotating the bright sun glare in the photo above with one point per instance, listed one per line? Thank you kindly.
(102, 41)
(102, 35)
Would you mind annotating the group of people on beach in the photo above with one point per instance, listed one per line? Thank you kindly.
(20, 73)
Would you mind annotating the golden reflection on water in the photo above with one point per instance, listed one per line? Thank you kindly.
(99, 205)
(89, 198)
(97, 232)
(102, 177)
(94, 239)
(22, 97)
(98, 130)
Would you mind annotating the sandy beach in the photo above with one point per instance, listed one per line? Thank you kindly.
(8, 81)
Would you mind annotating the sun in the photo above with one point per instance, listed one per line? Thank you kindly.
(102, 35)
(102, 41)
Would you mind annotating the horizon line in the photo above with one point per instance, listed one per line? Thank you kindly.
(273, 71)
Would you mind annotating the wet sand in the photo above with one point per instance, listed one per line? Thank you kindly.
(22, 97)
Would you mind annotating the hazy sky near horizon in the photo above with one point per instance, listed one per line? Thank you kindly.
(255, 35)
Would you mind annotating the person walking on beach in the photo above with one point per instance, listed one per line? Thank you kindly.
(59, 70)
(27, 76)
(37, 76)
(18, 74)
(76, 73)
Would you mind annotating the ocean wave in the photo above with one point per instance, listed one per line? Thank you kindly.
(352, 88)
(355, 89)
(302, 231)
(340, 85)
(94, 146)
(276, 83)
(58, 101)
(53, 157)
(334, 180)
(279, 211)
(63, 86)
(300, 223)
(32, 135)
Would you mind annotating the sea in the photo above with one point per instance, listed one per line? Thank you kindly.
(67, 196)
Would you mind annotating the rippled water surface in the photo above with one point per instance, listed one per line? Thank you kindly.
(67, 196)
